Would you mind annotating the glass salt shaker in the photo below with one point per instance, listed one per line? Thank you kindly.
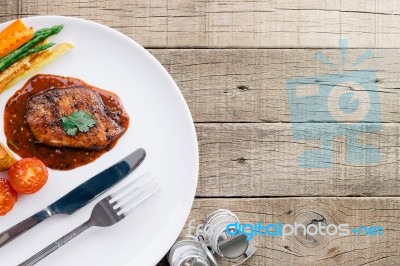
(188, 252)
(229, 246)
(213, 237)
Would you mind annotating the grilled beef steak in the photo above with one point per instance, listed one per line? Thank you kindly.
(46, 109)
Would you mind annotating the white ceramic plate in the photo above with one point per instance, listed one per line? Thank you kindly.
(160, 123)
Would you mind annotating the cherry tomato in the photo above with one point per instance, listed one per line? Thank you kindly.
(8, 196)
(28, 175)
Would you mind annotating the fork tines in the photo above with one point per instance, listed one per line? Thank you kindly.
(132, 194)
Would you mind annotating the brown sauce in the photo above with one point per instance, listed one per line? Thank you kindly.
(21, 140)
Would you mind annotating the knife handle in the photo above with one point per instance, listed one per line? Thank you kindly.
(24, 226)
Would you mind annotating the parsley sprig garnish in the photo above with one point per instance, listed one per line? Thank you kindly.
(78, 120)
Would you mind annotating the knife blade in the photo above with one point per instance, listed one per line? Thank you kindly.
(79, 196)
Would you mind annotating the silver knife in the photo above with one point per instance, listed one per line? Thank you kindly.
(79, 196)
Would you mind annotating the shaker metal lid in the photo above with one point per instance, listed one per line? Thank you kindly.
(234, 247)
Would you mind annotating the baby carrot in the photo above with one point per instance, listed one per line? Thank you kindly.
(17, 25)
(14, 41)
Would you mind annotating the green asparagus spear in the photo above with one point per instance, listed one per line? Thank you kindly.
(28, 49)
(33, 50)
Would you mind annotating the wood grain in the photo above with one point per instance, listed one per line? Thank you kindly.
(250, 85)
(316, 250)
(215, 23)
(262, 160)
(8, 10)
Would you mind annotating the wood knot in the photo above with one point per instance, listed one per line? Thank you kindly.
(308, 228)
(335, 253)
(242, 88)
(332, 251)
(240, 160)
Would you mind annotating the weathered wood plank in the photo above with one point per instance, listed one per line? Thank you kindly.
(318, 249)
(9, 10)
(222, 85)
(261, 159)
(289, 23)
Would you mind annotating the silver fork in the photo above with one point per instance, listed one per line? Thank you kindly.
(106, 212)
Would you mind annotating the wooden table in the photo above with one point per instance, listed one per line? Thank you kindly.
(232, 61)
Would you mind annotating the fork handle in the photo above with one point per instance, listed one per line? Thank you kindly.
(56, 244)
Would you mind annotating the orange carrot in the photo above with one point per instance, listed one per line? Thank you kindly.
(17, 25)
(14, 41)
